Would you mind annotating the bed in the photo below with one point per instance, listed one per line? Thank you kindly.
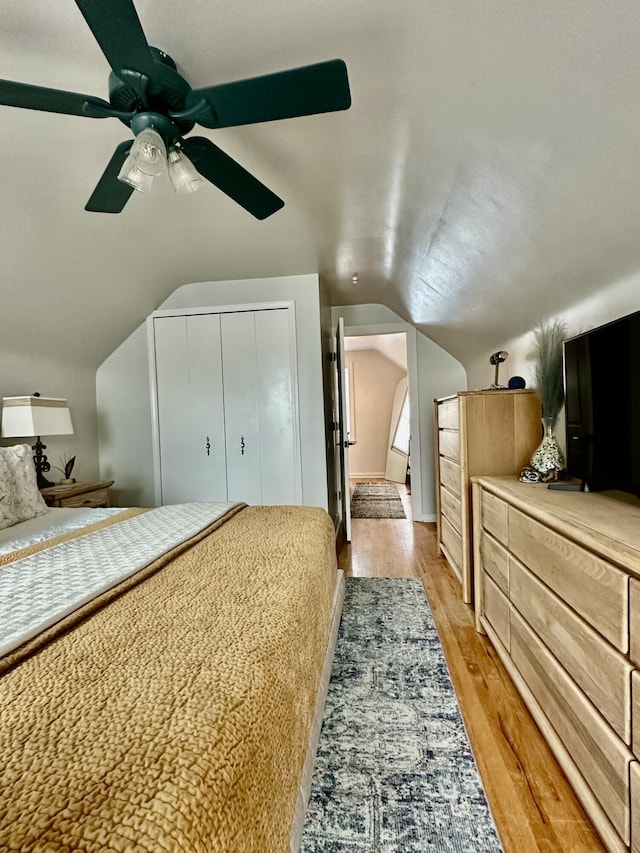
(162, 675)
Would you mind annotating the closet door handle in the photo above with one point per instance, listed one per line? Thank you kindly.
(208, 446)
(242, 445)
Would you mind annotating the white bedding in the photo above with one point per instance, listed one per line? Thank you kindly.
(55, 522)
(39, 590)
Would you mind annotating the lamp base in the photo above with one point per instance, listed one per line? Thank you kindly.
(43, 483)
(42, 464)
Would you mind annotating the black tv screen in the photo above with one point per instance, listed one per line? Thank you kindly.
(602, 405)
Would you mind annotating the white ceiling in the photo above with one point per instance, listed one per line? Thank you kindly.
(486, 175)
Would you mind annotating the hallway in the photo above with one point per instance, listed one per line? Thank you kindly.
(532, 803)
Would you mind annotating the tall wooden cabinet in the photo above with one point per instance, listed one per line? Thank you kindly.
(225, 406)
(476, 433)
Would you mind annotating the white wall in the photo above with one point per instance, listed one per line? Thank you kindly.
(123, 395)
(438, 374)
(124, 422)
(22, 374)
(614, 301)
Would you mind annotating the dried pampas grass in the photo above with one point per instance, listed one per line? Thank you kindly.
(547, 372)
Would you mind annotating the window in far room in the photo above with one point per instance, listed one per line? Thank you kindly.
(401, 435)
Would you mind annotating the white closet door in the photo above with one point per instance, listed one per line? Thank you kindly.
(244, 480)
(190, 407)
(206, 407)
(279, 453)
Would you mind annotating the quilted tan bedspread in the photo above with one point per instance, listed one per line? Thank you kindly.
(176, 716)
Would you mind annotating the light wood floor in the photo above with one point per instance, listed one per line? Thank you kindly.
(532, 803)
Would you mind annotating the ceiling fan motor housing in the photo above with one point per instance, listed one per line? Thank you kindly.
(131, 91)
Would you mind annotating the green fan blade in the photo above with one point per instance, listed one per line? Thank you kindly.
(117, 29)
(51, 100)
(320, 88)
(111, 195)
(230, 177)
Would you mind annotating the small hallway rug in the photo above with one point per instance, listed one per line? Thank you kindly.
(394, 771)
(376, 500)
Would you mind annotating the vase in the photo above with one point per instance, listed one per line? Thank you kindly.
(547, 458)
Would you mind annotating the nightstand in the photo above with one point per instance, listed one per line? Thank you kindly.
(78, 494)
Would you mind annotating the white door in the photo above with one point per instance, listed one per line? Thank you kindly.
(341, 432)
(263, 454)
(279, 446)
(242, 428)
(190, 412)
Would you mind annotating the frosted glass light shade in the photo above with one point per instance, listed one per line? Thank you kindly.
(26, 416)
(182, 173)
(130, 174)
(149, 153)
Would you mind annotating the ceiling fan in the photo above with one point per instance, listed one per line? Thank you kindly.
(147, 93)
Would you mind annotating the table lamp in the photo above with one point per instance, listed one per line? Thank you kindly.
(36, 416)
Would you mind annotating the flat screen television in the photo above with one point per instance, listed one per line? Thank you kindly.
(602, 406)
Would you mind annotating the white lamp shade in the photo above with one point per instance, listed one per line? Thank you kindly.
(26, 416)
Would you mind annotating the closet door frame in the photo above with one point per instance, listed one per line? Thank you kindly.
(289, 306)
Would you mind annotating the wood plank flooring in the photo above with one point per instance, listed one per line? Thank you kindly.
(531, 800)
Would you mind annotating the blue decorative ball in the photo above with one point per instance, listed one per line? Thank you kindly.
(517, 382)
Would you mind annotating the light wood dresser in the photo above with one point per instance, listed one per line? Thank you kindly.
(557, 585)
(477, 432)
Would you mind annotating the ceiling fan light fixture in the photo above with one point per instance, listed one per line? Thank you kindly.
(149, 153)
(184, 176)
(130, 174)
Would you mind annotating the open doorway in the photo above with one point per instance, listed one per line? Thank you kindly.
(378, 425)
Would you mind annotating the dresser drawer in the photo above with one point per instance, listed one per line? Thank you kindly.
(495, 561)
(634, 621)
(593, 587)
(635, 807)
(452, 541)
(635, 716)
(495, 517)
(92, 499)
(450, 476)
(450, 506)
(495, 608)
(448, 417)
(449, 444)
(601, 671)
(600, 756)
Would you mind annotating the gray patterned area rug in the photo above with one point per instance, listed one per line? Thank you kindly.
(394, 771)
(376, 500)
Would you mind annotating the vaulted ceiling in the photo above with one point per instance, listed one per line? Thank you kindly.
(487, 173)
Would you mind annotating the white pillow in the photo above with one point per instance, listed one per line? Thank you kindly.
(23, 496)
(7, 514)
